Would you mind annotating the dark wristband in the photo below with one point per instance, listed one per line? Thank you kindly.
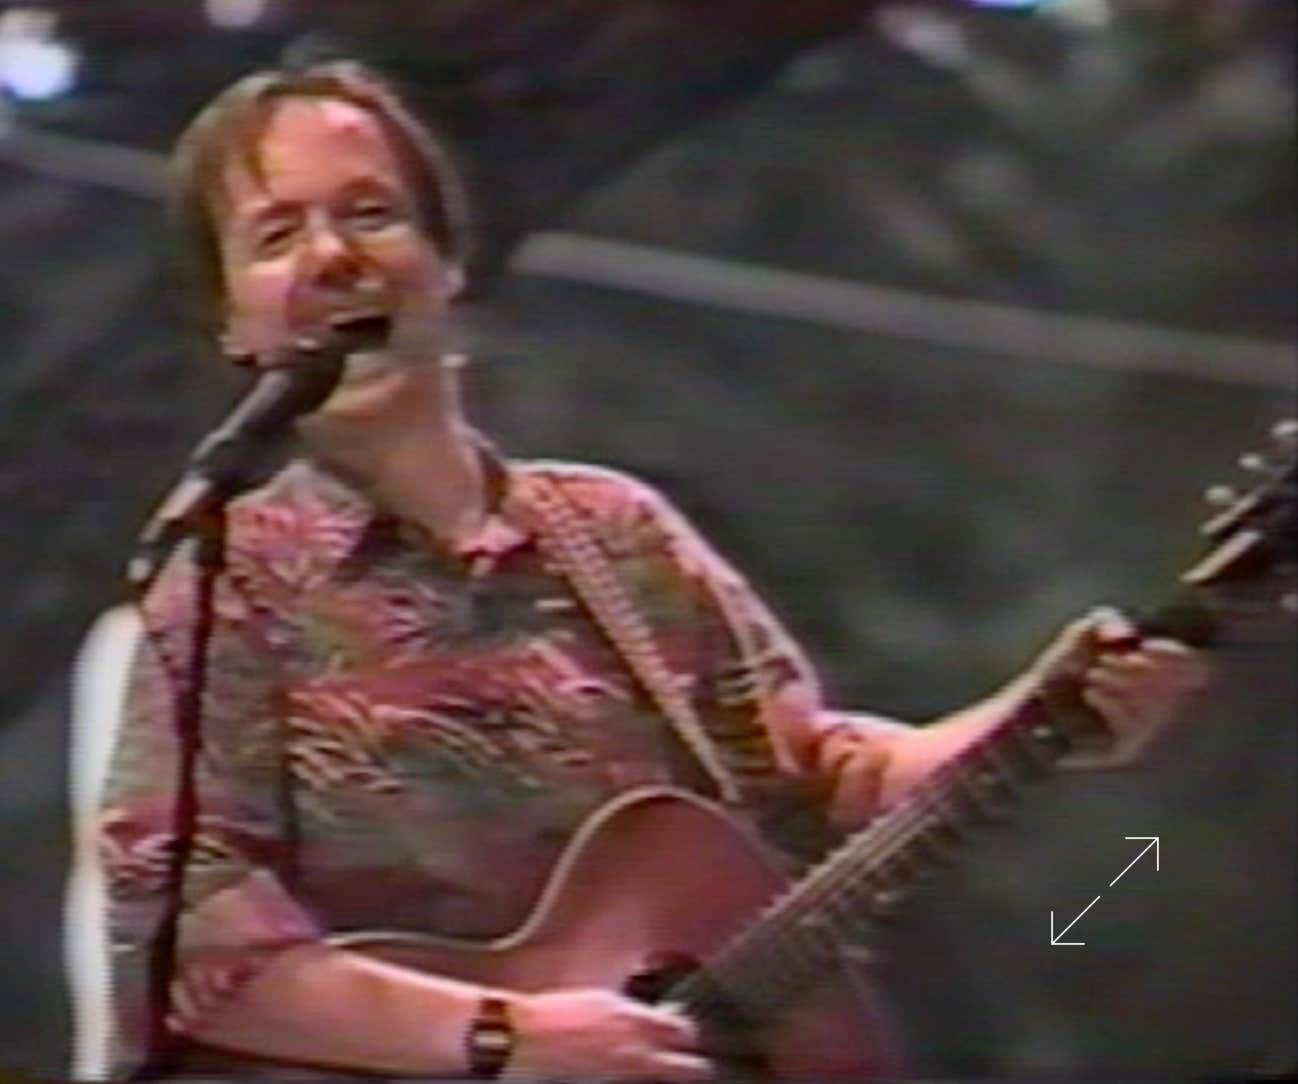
(489, 1042)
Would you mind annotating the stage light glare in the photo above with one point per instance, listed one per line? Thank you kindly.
(28, 22)
(1082, 14)
(34, 70)
(234, 14)
(929, 35)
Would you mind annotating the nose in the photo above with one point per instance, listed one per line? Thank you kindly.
(332, 260)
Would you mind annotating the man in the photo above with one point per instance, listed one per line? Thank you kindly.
(410, 709)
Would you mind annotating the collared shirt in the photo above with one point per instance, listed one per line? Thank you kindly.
(402, 736)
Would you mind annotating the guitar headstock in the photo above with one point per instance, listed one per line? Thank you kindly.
(1250, 568)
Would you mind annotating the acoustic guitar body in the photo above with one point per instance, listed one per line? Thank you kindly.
(653, 880)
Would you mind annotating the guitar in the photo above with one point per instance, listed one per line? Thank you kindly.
(663, 895)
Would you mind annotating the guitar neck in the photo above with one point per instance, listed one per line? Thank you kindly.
(1249, 567)
(865, 879)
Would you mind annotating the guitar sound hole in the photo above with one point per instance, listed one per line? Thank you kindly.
(660, 971)
(730, 1033)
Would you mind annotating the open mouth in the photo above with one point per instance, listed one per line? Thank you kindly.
(361, 331)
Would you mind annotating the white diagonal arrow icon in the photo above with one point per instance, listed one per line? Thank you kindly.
(1153, 842)
(1054, 937)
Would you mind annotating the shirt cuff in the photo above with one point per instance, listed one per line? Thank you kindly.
(227, 938)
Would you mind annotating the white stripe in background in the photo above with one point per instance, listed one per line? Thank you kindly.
(967, 325)
(1005, 330)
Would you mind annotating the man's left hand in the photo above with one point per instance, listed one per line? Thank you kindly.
(1136, 685)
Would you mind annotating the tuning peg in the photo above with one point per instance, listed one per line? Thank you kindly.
(1220, 496)
(1289, 602)
(1254, 463)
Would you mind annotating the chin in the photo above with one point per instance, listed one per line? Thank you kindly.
(376, 387)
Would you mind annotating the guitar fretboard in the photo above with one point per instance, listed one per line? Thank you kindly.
(873, 872)
(865, 879)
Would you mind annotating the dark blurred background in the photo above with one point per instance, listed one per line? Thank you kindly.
(937, 317)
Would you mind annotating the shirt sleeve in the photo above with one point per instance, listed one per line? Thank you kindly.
(750, 668)
(237, 909)
(840, 755)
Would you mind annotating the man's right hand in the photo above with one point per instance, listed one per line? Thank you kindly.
(595, 1034)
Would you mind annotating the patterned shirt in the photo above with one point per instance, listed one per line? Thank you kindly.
(402, 736)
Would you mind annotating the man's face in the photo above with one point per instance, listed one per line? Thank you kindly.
(326, 228)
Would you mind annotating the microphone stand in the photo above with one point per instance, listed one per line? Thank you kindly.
(230, 458)
(206, 526)
(209, 559)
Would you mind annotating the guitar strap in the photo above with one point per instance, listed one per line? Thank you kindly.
(740, 748)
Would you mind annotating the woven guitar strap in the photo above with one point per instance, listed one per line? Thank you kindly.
(572, 548)
(781, 805)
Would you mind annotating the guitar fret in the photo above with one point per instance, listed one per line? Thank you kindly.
(867, 877)
(798, 948)
(1047, 722)
(1003, 755)
(796, 943)
(1000, 762)
(888, 896)
(849, 906)
(971, 786)
(792, 942)
(730, 979)
(974, 787)
(875, 872)
(926, 842)
(1022, 763)
(944, 821)
(884, 900)
(936, 837)
(1037, 743)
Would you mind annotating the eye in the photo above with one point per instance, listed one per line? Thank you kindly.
(372, 213)
(272, 237)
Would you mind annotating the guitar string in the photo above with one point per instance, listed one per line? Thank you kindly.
(776, 933)
(840, 874)
(799, 947)
(836, 875)
(784, 922)
(912, 821)
(916, 819)
(937, 805)
(841, 870)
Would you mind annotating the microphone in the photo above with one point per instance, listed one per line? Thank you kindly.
(227, 460)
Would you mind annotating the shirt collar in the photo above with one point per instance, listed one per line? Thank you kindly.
(351, 515)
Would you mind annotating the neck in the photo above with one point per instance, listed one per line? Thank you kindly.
(415, 457)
